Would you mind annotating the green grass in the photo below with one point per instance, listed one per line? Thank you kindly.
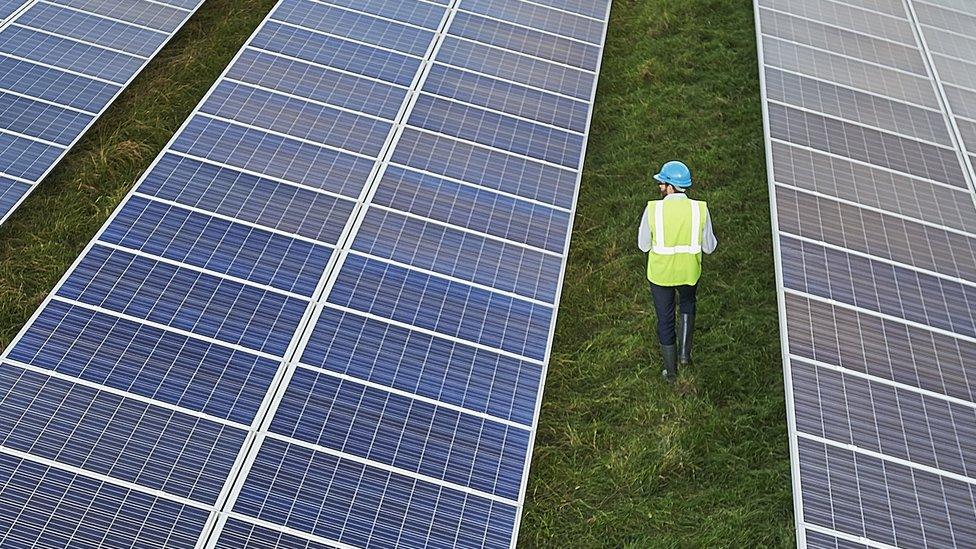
(621, 459)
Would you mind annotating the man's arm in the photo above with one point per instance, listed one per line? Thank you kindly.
(708, 237)
(644, 233)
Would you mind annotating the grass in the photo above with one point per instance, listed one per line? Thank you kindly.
(621, 459)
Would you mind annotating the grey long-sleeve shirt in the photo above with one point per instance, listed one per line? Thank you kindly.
(645, 235)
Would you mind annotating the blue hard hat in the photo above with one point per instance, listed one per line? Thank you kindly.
(675, 173)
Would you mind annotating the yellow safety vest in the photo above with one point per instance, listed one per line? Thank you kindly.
(676, 254)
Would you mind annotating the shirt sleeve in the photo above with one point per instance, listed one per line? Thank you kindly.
(708, 237)
(644, 233)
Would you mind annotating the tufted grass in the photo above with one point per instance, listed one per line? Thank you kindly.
(621, 459)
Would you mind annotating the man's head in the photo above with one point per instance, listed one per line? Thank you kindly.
(673, 177)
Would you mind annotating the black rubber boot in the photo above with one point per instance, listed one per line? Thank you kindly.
(687, 331)
(670, 355)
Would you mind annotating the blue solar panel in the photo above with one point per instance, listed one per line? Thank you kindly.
(865, 107)
(320, 124)
(497, 131)
(95, 430)
(477, 379)
(332, 51)
(255, 201)
(147, 361)
(255, 150)
(459, 254)
(219, 246)
(351, 502)
(443, 306)
(339, 279)
(480, 210)
(238, 533)
(94, 29)
(9, 7)
(511, 66)
(484, 167)
(62, 63)
(513, 38)
(345, 23)
(43, 121)
(513, 99)
(45, 506)
(402, 432)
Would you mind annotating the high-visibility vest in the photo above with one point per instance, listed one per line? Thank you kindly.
(676, 253)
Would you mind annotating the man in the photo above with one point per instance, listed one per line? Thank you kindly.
(674, 232)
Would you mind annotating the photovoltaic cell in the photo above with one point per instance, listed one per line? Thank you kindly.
(9, 7)
(323, 315)
(62, 63)
(345, 23)
(347, 501)
(481, 380)
(484, 167)
(147, 361)
(563, 23)
(509, 65)
(93, 29)
(528, 41)
(506, 97)
(163, 16)
(218, 245)
(471, 208)
(497, 131)
(335, 88)
(846, 71)
(471, 313)
(391, 235)
(237, 533)
(402, 432)
(872, 191)
(825, 37)
(42, 416)
(48, 506)
(856, 106)
(860, 17)
(323, 49)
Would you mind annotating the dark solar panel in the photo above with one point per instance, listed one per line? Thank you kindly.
(324, 314)
(869, 111)
(62, 63)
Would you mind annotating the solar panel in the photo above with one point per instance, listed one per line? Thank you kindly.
(9, 8)
(323, 316)
(62, 63)
(869, 112)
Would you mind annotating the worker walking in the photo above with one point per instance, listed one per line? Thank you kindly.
(674, 232)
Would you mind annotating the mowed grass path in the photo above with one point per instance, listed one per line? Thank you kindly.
(620, 459)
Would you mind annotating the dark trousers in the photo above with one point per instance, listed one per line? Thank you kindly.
(664, 307)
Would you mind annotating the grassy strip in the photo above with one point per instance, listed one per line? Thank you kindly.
(621, 459)
(49, 230)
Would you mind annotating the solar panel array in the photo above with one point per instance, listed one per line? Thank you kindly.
(870, 110)
(323, 315)
(62, 63)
